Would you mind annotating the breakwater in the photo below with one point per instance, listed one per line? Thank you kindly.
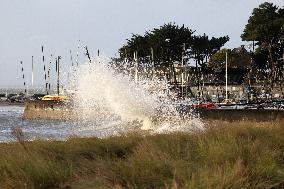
(50, 110)
(54, 110)
(254, 115)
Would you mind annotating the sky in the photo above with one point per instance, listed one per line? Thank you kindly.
(60, 25)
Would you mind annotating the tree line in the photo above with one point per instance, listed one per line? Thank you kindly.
(170, 43)
(265, 29)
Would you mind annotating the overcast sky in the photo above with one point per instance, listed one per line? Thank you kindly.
(103, 24)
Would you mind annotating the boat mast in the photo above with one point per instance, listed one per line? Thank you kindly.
(49, 71)
(32, 71)
(183, 71)
(88, 54)
(226, 75)
(136, 67)
(71, 59)
(70, 75)
(44, 70)
(99, 56)
(24, 77)
(153, 63)
(58, 74)
(77, 54)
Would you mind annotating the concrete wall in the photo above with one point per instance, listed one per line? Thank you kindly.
(242, 115)
(235, 91)
(48, 110)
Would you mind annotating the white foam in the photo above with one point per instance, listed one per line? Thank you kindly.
(103, 93)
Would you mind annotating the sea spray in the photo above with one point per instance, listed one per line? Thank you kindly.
(107, 94)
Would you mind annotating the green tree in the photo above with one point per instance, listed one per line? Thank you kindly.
(203, 48)
(266, 27)
(237, 58)
(169, 43)
(166, 42)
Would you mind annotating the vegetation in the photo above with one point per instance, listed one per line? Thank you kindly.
(264, 63)
(169, 43)
(266, 28)
(232, 155)
(236, 59)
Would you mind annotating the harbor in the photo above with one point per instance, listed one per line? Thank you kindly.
(142, 94)
(54, 110)
(208, 99)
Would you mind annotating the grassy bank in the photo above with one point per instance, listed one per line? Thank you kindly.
(232, 155)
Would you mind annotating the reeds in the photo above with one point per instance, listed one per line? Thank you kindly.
(225, 155)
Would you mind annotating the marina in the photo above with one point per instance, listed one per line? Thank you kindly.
(142, 94)
(54, 110)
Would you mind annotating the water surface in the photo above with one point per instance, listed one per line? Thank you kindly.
(11, 117)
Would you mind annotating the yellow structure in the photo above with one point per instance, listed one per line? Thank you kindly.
(54, 98)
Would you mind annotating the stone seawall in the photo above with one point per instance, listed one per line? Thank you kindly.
(48, 110)
(48, 114)
(242, 115)
(61, 111)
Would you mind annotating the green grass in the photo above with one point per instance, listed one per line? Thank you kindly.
(225, 155)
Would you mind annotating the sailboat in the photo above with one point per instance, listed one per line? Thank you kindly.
(227, 103)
